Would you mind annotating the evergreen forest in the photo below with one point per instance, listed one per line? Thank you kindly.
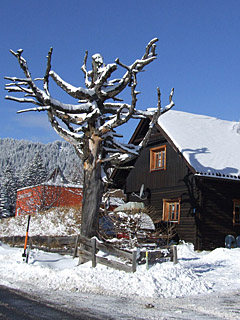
(25, 163)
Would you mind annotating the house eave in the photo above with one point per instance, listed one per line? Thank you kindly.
(217, 176)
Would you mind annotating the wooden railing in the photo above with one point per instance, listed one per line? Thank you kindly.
(89, 250)
(62, 245)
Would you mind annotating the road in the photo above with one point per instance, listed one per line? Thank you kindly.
(15, 305)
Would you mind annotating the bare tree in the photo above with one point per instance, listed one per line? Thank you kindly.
(90, 124)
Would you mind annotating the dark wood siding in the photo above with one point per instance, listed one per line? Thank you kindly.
(216, 220)
(173, 183)
(176, 169)
(206, 215)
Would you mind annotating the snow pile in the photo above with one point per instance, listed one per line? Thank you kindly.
(196, 273)
(55, 222)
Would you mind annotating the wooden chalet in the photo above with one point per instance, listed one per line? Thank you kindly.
(190, 170)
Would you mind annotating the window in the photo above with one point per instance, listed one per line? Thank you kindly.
(171, 210)
(158, 158)
(236, 212)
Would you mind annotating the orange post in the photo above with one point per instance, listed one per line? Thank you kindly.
(26, 239)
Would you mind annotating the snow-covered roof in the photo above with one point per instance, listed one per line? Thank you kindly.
(210, 145)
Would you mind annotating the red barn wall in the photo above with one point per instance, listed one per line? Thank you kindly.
(30, 200)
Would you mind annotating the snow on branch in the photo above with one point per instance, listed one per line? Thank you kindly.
(23, 100)
(77, 93)
(84, 69)
(90, 123)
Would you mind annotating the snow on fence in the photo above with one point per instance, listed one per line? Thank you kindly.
(89, 250)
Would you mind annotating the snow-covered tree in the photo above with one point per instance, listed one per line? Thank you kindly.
(2, 203)
(20, 153)
(36, 173)
(90, 125)
(33, 172)
(8, 192)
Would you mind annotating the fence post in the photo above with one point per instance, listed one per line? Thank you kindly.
(93, 242)
(76, 247)
(147, 267)
(134, 261)
(174, 254)
(49, 245)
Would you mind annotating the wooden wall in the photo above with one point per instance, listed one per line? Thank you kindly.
(30, 199)
(206, 215)
(171, 183)
(216, 219)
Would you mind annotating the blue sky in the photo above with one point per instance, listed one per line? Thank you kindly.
(198, 52)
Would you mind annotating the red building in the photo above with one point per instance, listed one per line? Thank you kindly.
(55, 192)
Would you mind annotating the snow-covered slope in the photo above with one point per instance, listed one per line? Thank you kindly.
(19, 153)
(55, 222)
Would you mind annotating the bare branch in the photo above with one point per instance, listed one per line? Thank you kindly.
(46, 76)
(22, 100)
(35, 109)
(137, 66)
(121, 118)
(108, 70)
(114, 107)
(24, 81)
(70, 137)
(77, 93)
(150, 46)
(84, 69)
(153, 121)
(122, 64)
(171, 104)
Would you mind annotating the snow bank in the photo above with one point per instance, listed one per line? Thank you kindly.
(55, 222)
(196, 273)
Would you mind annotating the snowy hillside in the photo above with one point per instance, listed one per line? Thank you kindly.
(24, 163)
(19, 153)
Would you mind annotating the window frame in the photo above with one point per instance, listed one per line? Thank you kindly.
(166, 210)
(153, 158)
(236, 202)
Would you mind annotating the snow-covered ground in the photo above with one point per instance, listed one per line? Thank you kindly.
(202, 285)
(55, 222)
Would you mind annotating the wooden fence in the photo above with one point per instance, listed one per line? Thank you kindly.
(61, 245)
(89, 250)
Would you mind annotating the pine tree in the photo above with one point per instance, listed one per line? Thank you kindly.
(35, 172)
(8, 192)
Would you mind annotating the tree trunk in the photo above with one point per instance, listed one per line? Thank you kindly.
(92, 197)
